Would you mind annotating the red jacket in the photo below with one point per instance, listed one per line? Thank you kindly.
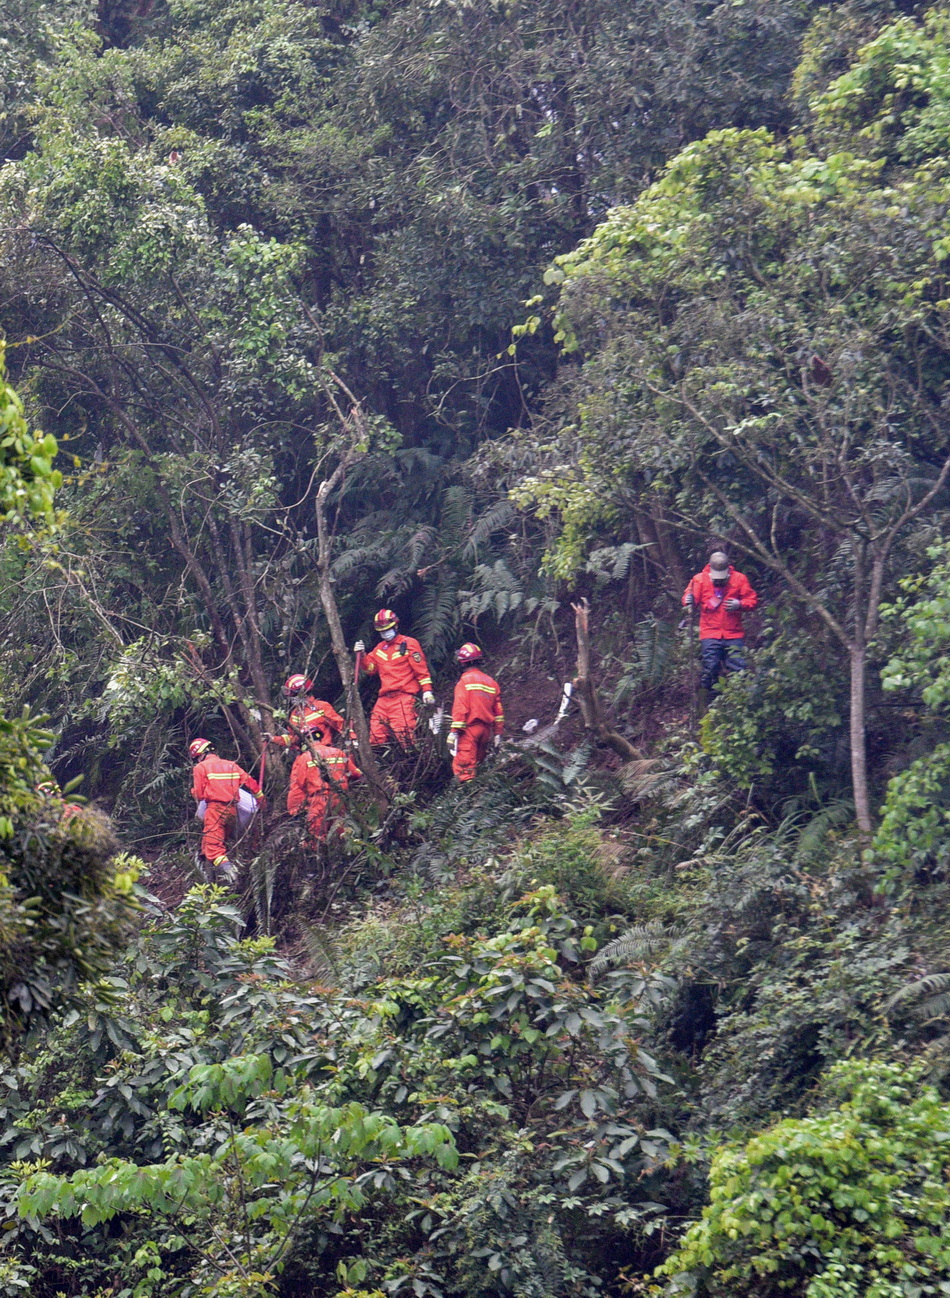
(312, 716)
(477, 698)
(716, 622)
(218, 780)
(308, 780)
(400, 664)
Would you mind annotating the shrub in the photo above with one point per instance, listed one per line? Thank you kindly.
(853, 1201)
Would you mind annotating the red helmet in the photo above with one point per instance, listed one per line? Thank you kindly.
(198, 747)
(469, 653)
(294, 684)
(48, 789)
(385, 620)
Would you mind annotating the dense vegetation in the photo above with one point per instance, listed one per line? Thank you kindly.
(477, 310)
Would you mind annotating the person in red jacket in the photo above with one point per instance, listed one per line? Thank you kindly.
(309, 716)
(50, 789)
(722, 594)
(403, 674)
(478, 718)
(317, 778)
(218, 783)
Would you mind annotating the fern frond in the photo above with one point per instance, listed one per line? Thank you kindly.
(499, 515)
(932, 987)
(437, 616)
(353, 561)
(422, 545)
(455, 517)
(325, 954)
(813, 836)
(498, 591)
(644, 777)
(637, 943)
(263, 872)
(612, 562)
(394, 582)
(935, 1007)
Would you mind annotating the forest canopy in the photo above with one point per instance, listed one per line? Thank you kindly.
(504, 326)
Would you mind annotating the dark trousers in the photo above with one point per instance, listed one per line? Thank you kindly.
(720, 656)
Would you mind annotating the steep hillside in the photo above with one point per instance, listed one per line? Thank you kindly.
(575, 335)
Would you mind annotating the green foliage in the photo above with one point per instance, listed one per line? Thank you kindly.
(915, 816)
(784, 716)
(893, 100)
(749, 337)
(923, 662)
(914, 832)
(241, 1127)
(28, 480)
(66, 902)
(211, 207)
(243, 1204)
(692, 385)
(851, 1201)
(217, 214)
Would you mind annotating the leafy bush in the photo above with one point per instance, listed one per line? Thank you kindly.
(851, 1203)
(773, 725)
(914, 830)
(282, 1159)
(181, 1106)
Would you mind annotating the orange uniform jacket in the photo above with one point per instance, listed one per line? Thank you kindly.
(312, 717)
(716, 622)
(477, 698)
(308, 781)
(218, 780)
(401, 666)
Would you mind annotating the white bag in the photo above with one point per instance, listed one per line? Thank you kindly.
(247, 808)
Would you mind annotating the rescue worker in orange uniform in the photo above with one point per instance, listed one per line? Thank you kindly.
(723, 594)
(316, 780)
(403, 673)
(218, 782)
(50, 789)
(309, 715)
(478, 718)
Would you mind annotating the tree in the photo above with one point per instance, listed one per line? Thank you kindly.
(66, 896)
(766, 356)
(355, 440)
(287, 1160)
(850, 1201)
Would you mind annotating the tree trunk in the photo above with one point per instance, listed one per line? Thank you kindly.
(591, 709)
(669, 551)
(354, 705)
(859, 754)
(255, 658)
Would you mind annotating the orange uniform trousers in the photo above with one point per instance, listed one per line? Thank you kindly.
(474, 743)
(218, 827)
(324, 818)
(393, 719)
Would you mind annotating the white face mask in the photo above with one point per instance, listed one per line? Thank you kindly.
(389, 635)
